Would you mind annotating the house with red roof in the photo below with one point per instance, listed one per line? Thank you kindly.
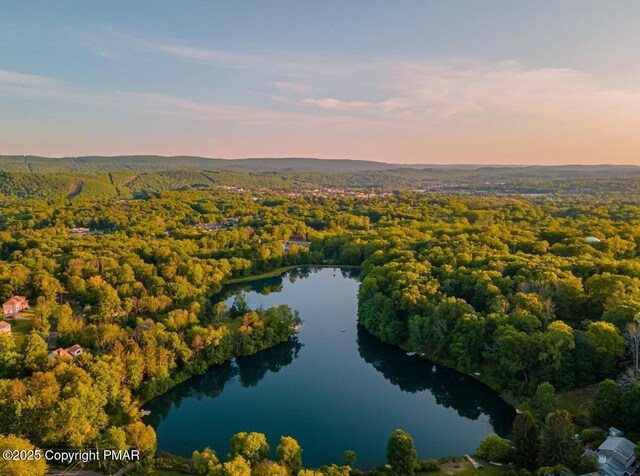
(69, 353)
(60, 353)
(5, 328)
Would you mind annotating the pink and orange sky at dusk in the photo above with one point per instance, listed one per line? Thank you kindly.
(406, 82)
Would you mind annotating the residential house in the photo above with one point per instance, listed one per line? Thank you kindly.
(211, 226)
(74, 350)
(616, 455)
(60, 353)
(5, 328)
(14, 305)
(79, 231)
(69, 353)
(297, 240)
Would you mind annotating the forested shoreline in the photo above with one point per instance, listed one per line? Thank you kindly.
(528, 292)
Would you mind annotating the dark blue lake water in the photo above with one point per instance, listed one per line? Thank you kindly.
(333, 387)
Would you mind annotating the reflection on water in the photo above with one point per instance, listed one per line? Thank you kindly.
(451, 389)
(275, 284)
(249, 371)
(333, 387)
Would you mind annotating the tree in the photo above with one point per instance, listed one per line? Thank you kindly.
(524, 436)
(607, 404)
(238, 466)
(289, 454)
(557, 443)
(494, 448)
(205, 462)
(609, 346)
(36, 353)
(142, 437)
(114, 438)
(401, 453)
(269, 468)
(253, 447)
(350, 457)
(9, 358)
(22, 467)
(544, 401)
(632, 341)
(556, 343)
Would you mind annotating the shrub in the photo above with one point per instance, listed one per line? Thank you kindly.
(428, 466)
(592, 436)
(494, 448)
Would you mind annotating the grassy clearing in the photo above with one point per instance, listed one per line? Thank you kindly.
(20, 329)
(464, 468)
(578, 402)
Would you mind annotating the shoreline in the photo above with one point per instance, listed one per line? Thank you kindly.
(278, 271)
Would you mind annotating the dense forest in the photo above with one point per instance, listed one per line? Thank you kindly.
(538, 296)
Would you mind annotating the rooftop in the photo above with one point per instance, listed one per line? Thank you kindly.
(618, 445)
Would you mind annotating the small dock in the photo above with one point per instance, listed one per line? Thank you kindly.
(474, 462)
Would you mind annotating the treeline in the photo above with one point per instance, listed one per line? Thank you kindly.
(57, 179)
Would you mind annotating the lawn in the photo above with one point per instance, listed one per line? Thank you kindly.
(164, 472)
(464, 468)
(578, 402)
(20, 329)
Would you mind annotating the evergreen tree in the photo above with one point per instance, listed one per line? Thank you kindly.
(557, 443)
(401, 453)
(524, 437)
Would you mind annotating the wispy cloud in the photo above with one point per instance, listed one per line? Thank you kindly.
(12, 77)
(420, 90)
(448, 89)
(289, 86)
(149, 103)
(332, 104)
(285, 64)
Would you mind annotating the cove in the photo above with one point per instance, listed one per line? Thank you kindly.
(333, 387)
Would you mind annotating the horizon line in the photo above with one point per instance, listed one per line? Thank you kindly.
(329, 159)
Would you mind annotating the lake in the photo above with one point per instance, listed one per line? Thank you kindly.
(333, 387)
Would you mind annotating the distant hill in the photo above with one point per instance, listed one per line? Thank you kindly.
(149, 163)
(146, 163)
(137, 175)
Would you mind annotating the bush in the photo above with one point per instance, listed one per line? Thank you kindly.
(494, 448)
(428, 466)
(592, 436)
(555, 470)
(169, 462)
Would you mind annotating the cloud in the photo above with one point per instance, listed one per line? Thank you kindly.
(297, 88)
(447, 90)
(271, 61)
(333, 104)
(154, 104)
(425, 91)
(12, 77)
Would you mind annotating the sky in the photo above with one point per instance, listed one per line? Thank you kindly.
(449, 81)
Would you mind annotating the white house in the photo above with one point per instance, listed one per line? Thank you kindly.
(616, 455)
(14, 305)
